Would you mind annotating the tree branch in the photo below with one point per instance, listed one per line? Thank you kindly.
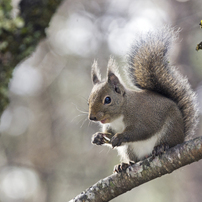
(151, 168)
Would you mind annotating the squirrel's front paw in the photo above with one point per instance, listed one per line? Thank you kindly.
(98, 139)
(116, 140)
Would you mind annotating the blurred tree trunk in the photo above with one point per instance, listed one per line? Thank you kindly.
(20, 35)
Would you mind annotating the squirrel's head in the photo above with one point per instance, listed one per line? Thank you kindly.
(107, 97)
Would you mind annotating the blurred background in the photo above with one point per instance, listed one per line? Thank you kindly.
(45, 149)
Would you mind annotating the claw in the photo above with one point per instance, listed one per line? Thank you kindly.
(106, 139)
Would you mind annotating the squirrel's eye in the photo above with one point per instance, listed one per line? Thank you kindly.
(107, 100)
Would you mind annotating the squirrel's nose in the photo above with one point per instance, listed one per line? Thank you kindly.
(92, 117)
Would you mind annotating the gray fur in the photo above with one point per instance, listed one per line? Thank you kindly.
(162, 111)
(149, 68)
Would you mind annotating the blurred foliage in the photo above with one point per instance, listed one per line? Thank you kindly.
(20, 35)
(199, 46)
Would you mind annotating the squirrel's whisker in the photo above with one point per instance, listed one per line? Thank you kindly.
(79, 109)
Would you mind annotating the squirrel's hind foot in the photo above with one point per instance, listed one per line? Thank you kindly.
(122, 167)
(160, 149)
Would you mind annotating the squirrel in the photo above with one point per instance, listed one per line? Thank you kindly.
(159, 111)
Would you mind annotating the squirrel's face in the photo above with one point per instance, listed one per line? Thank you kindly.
(106, 99)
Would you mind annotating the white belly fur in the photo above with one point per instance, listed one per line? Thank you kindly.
(139, 148)
(117, 125)
(144, 147)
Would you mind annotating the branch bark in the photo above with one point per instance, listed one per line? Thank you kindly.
(151, 168)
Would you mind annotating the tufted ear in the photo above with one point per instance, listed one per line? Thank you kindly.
(113, 79)
(95, 73)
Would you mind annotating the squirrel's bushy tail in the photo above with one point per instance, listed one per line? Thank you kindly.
(149, 68)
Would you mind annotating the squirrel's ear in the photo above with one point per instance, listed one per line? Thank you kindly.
(113, 80)
(95, 73)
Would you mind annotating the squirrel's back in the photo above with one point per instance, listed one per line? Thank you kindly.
(149, 68)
